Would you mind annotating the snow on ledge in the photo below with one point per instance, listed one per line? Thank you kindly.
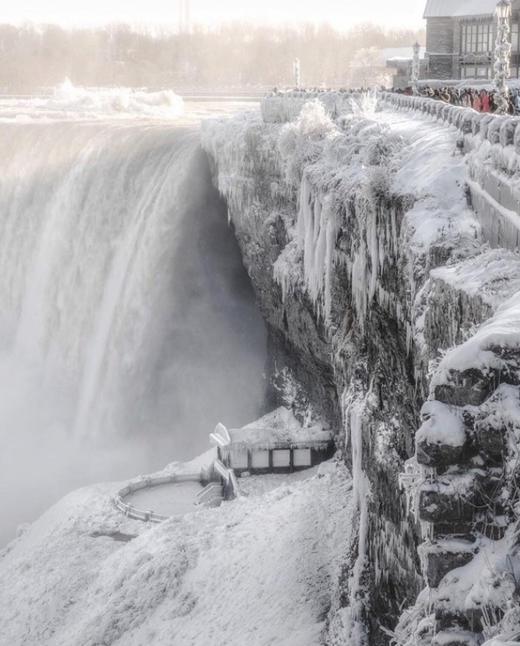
(496, 129)
(501, 331)
(441, 425)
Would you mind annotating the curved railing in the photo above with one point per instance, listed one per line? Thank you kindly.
(215, 475)
(147, 483)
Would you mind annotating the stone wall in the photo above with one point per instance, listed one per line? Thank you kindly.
(492, 145)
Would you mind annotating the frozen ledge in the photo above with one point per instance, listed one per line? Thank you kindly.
(283, 107)
(496, 129)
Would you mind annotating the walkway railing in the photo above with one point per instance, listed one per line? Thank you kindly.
(497, 129)
(230, 482)
(494, 197)
(217, 476)
(147, 483)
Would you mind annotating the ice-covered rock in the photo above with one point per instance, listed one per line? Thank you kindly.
(370, 266)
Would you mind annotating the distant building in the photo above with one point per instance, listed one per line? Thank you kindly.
(460, 39)
(399, 60)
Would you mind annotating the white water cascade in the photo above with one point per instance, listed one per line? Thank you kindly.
(127, 324)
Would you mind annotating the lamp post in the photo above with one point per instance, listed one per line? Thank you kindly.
(502, 56)
(297, 73)
(416, 63)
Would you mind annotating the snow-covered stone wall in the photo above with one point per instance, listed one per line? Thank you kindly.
(369, 264)
(493, 144)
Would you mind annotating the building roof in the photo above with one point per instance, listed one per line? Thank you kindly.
(279, 429)
(459, 8)
(270, 438)
(401, 53)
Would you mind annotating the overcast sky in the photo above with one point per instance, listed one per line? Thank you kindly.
(340, 13)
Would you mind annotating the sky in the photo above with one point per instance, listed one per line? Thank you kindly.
(340, 13)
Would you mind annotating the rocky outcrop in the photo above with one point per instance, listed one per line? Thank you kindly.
(359, 242)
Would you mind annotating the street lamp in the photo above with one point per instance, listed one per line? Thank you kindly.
(502, 56)
(416, 63)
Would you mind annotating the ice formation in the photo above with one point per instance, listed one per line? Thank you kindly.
(371, 226)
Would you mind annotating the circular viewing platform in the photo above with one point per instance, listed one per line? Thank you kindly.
(173, 499)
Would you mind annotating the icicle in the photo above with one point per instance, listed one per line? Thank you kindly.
(354, 417)
(317, 230)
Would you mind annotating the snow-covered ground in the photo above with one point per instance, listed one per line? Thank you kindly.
(260, 570)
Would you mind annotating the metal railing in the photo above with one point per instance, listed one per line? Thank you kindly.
(147, 483)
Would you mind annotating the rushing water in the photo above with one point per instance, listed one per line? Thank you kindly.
(128, 326)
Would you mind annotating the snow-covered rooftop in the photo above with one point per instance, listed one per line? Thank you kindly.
(457, 8)
(280, 428)
(397, 54)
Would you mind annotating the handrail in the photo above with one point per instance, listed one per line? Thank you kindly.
(231, 488)
(149, 482)
(495, 128)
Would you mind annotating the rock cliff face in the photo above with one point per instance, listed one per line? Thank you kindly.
(369, 265)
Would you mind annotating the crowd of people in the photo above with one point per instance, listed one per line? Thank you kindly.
(481, 100)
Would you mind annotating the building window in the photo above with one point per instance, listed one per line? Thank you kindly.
(476, 38)
(302, 457)
(482, 38)
(514, 36)
(239, 458)
(473, 38)
(482, 71)
(281, 458)
(260, 460)
(469, 72)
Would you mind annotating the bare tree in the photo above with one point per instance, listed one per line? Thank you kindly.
(237, 55)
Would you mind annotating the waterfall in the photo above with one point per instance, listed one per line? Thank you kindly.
(128, 326)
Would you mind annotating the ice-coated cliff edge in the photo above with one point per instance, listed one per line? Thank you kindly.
(376, 282)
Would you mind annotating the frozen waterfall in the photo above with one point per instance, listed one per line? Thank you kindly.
(127, 323)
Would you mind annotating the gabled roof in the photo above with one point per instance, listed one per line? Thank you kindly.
(458, 8)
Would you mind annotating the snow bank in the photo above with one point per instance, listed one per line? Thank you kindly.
(260, 569)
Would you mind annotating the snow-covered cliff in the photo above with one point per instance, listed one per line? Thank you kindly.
(394, 318)
(262, 569)
(369, 265)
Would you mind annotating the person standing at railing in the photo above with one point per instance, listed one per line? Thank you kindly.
(477, 102)
(485, 101)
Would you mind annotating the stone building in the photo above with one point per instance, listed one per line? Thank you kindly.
(460, 39)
